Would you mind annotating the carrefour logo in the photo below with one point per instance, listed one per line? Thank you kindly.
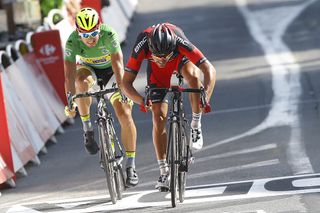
(47, 49)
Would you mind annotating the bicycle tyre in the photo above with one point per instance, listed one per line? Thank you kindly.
(182, 175)
(120, 181)
(173, 162)
(106, 154)
(118, 175)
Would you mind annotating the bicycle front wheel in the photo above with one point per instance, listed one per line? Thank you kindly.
(173, 142)
(118, 175)
(182, 176)
(107, 160)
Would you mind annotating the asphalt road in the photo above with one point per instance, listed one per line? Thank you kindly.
(261, 140)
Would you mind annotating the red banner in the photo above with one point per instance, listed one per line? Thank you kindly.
(47, 47)
(95, 4)
(5, 147)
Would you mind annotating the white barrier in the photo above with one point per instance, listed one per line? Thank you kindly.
(43, 89)
(29, 105)
(28, 41)
(64, 26)
(5, 173)
(18, 119)
(115, 17)
(45, 123)
(128, 7)
(32, 94)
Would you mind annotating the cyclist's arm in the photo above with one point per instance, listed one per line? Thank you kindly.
(209, 81)
(133, 66)
(70, 53)
(69, 76)
(130, 91)
(197, 58)
(117, 66)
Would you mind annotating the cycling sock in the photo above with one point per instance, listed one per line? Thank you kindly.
(196, 120)
(87, 126)
(131, 156)
(163, 166)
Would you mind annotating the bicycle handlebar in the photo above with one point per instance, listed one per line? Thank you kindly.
(95, 94)
(177, 89)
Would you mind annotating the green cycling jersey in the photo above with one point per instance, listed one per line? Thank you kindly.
(98, 56)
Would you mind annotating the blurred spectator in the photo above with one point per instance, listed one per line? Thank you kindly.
(70, 8)
(105, 3)
(47, 5)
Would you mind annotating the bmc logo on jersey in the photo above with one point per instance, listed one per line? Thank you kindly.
(182, 41)
(47, 49)
(140, 44)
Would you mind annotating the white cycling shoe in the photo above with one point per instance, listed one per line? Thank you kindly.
(163, 182)
(196, 138)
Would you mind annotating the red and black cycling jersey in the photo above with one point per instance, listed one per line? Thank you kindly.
(185, 51)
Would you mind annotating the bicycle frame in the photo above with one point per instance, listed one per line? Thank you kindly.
(177, 115)
(179, 153)
(109, 144)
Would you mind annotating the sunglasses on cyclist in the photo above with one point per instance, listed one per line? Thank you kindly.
(90, 34)
(162, 59)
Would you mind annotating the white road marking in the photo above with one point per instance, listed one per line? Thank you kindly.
(267, 27)
(306, 182)
(267, 187)
(254, 211)
(21, 209)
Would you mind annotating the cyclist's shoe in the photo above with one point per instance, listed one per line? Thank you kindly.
(163, 183)
(132, 177)
(89, 143)
(196, 138)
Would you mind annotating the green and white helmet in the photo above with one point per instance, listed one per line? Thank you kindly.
(87, 19)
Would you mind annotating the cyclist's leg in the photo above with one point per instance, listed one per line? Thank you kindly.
(123, 112)
(84, 81)
(192, 75)
(159, 132)
(128, 136)
(159, 118)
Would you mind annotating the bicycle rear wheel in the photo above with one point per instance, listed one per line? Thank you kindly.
(107, 160)
(182, 176)
(174, 137)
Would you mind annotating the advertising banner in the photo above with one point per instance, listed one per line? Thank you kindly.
(36, 73)
(5, 148)
(48, 50)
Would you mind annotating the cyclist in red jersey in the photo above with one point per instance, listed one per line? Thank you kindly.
(168, 51)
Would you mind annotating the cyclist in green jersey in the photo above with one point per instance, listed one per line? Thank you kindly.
(99, 57)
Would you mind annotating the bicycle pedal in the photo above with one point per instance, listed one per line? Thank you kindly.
(191, 160)
(101, 165)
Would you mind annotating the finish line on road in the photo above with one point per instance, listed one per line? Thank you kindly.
(279, 186)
